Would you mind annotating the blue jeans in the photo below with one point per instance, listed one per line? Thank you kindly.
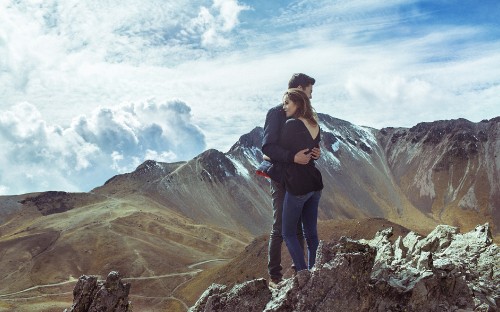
(294, 208)
(276, 239)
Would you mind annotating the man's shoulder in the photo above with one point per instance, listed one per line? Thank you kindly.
(276, 114)
(278, 109)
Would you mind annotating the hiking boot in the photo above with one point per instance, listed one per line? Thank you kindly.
(274, 281)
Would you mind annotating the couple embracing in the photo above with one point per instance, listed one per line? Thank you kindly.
(290, 147)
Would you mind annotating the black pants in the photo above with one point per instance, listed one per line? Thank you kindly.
(276, 238)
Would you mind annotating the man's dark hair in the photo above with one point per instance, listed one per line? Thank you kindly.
(300, 79)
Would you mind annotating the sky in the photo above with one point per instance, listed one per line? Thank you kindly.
(91, 89)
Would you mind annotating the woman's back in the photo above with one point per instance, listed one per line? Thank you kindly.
(296, 136)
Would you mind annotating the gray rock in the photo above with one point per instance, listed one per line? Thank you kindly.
(341, 275)
(251, 296)
(445, 271)
(91, 295)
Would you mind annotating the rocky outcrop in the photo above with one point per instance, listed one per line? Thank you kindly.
(445, 271)
(91, 295)
(51, 202)
(246, 297)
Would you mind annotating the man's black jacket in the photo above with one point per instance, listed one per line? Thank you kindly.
(275, 120)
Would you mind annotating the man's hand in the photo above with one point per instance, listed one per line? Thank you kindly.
(316, 153)
(302, 157)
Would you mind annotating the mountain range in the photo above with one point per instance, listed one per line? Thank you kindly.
(166, 222)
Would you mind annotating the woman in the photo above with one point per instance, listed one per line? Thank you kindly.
(303, 183)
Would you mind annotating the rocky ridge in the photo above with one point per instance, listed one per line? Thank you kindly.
(448, 168)
(444, 271)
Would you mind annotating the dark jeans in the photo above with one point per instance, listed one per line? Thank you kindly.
(296, 207)
(276, 238)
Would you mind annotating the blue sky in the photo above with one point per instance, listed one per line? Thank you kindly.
(89, 89)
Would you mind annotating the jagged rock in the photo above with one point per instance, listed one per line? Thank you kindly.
(445, 271)
(342, 273)
(247, 297)
(469, 263)
(91, 295)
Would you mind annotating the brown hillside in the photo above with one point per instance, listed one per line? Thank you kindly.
(151, 246)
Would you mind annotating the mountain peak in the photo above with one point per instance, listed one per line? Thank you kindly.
(249, 140)
(216, 166)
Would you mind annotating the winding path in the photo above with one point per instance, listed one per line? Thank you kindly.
(5, 297)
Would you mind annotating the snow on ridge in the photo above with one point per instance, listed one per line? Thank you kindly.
(332, 160)
(354, 133)
(240, 168)
(252, 155)
(365, 133)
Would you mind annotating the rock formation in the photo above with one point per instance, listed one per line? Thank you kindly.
(445, 271)
(91, 295)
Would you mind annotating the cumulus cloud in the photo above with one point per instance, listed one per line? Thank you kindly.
(49, 35)
(376, 63)
(215, 22)
(37, 156)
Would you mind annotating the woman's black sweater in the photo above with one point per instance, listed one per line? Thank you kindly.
(300, 179)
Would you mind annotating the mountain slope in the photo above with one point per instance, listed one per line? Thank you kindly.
(157, 224)
(222, 189)
(448, 169)
(42, 254)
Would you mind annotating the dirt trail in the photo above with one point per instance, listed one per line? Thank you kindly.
(12, 296)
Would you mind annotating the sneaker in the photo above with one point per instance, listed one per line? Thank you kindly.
(273, 282)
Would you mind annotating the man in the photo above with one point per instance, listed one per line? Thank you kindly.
(278, 157)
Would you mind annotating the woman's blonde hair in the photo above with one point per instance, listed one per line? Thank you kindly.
(304, 107)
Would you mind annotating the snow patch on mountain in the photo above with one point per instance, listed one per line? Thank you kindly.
(336, 146)
(358, 141)
(253, 155)
(365, 135)
(331, 160)
(240, 168)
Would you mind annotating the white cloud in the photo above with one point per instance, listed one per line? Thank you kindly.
(377, 63)
(229, 11)
(36, 156)
(214, 23)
